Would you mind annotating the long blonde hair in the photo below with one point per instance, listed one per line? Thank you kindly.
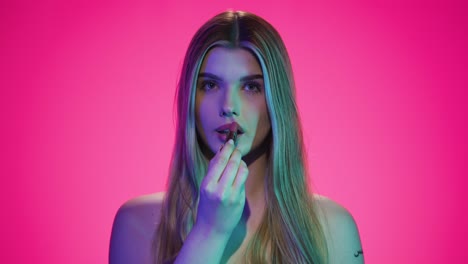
(290, 230)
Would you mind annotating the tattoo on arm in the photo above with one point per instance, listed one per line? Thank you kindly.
(358, 253)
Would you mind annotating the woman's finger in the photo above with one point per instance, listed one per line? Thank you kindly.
(218, 163)
(230, 172)
(241, 177)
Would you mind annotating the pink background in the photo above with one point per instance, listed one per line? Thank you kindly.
(87, 93)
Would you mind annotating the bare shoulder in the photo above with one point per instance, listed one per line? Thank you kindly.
(133, 229)
(144, 201)
(341, 231)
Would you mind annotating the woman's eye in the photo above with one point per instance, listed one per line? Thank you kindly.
(253, 87)
(208, 85)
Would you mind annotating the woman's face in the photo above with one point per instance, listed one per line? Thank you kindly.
(230, 88)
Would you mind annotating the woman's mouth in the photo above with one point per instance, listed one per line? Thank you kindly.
(229, 131)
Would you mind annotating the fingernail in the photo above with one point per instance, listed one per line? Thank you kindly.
(231, 141)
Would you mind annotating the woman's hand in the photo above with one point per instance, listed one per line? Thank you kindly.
(222, 192)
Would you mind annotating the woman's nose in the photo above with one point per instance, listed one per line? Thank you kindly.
(230, 103)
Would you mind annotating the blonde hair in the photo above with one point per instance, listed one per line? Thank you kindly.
(290, 231)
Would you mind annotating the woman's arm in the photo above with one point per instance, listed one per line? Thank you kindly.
(341, 232)
(202, 246)
(222, 201)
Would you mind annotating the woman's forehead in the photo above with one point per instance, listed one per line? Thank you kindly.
(230, 61)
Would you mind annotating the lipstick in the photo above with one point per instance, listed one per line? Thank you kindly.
(232, 133)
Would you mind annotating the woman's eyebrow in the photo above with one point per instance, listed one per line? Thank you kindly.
(243, 79)
(209, 75)
(251, 77)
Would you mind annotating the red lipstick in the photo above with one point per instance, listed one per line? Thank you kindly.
(232, 133)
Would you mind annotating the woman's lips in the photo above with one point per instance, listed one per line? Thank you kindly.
(232, 133)
(229, 131)
(230, 127)
(224, 137)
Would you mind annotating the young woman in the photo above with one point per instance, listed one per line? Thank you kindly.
(242, 201)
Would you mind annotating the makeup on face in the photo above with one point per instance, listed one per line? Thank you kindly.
(230, 131)
(226, 70)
